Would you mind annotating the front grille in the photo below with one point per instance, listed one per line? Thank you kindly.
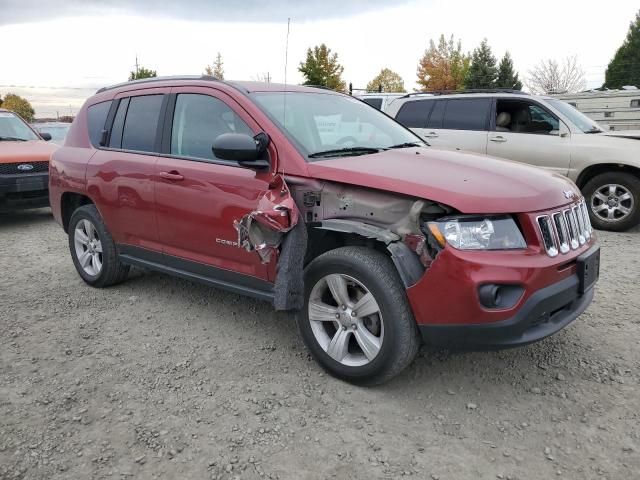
(566, 229)
(12, 168)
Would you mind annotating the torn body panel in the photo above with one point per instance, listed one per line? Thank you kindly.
(262, 229)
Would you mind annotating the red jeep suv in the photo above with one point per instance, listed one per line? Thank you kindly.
(319, 203)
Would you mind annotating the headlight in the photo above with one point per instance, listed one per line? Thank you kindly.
(478, 233)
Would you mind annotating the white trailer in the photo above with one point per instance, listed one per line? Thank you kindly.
(613, 109)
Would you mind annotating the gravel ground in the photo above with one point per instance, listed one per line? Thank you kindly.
(161, 378)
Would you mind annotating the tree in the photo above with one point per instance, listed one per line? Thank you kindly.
(321, 68)
(19, 105)
(387, 81)
(624, 68)
(142, 73)
(216, 70)
(443, 67)
(507, 76)
(549, 76)
(482, 72)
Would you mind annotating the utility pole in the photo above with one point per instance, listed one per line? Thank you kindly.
(136, 65)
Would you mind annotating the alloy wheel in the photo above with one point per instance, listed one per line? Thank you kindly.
(88, 247)
(346, 320)
(612, 202)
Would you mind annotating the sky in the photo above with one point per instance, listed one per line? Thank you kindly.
(56, 53)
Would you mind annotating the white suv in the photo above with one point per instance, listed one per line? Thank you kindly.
(541, 131)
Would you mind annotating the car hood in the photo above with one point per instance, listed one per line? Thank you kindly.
(468, 182)
(633, 134)
(30, 151)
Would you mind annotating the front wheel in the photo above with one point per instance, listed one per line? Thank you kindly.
(356, 319)
(614, 201)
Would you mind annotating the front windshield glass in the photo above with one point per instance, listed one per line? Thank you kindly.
(579, 119)
(325, 125)
(57, 132)
(13, 128)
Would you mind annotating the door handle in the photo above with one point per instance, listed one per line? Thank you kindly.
(498, 139)
(431, 135)
(173, 176)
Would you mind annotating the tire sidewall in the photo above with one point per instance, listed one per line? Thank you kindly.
(348, 266)
(631, 183)
(89, 212)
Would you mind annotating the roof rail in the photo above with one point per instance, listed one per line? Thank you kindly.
(472, 90)
(159, 79)
(323, 87)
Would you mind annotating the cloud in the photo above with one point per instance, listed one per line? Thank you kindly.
(26, 11)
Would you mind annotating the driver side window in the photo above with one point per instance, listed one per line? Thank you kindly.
(519, 116)
(197, 121)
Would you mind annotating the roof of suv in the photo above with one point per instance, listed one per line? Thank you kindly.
(244, 86)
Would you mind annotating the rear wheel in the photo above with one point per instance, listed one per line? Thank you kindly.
(356, 320)
(614, 201)
(93, 250)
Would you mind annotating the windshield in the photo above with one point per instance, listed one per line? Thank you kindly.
(579, 119)
(13, 128)
(327, 125)
(57, 132)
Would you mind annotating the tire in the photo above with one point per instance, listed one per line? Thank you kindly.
(111, 270)
(614, 185)
(392, 330)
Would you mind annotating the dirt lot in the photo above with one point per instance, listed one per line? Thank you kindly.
(161, 378)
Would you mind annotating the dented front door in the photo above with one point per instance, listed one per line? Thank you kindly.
(200, 201)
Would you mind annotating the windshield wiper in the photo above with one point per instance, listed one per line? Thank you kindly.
(14, 139)
(345, 152)
(409, 145)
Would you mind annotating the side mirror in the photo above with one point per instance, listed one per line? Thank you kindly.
(45, 136)
(242, 148)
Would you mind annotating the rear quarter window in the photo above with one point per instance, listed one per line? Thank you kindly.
(415, 114)
(96, 119)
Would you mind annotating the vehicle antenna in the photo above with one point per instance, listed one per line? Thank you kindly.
(284, 95)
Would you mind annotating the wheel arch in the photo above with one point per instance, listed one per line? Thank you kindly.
(69, 203)
(593, 170)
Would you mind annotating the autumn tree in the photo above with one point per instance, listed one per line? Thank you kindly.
(142, 72)
(443, 67)
(624, 68)
(507, 76)
(550, 76)
(386, 81)
(217, 69)
(482, 72)
(19, 105)
(321, 68)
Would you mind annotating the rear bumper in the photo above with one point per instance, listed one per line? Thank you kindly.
(544, 313)
(24, 191)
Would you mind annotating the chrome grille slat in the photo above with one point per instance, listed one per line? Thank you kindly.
(565, 230)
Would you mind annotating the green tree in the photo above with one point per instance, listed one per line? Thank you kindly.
(387, 81)
(142, 73)
(19, 105)
(624, 68)
(507, 76)
(482, 72)
(321, 68)
(216, 70)
(443, 67)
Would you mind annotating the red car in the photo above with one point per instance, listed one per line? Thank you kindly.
(319, 203)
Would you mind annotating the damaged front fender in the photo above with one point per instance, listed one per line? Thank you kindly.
(262, 230)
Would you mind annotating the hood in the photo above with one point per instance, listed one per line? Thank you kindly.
(633, 134)
(30, 151)
(470, 183)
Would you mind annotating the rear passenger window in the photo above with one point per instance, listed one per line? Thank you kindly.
(141, 123)
(467, 114)
(414, 114)
(374, 102)
(96, 118)
(435, 120)
(197, 121)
